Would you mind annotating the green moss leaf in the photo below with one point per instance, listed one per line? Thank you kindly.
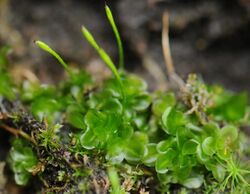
(125, 131)
(229, 133)
(209, 146)
(183, 134)
(219, 172)
(186, 161)
(112, 105)
(46, 108)
(115, 151)
(22, 178)
(134, 84)
(102, 124)
(193, 182)
(163, 146)
(165, 162)
(162, 102)
(3, 57)
(139, 102)
(227, 143)
(22, 160)
(172, 119)
(211, 129)
(151, 155)
(230, 107)
(189, 147)
(202, 157)
(6, 87)
(75, 116)
(89, 140)
(49, 137)
(135, 148)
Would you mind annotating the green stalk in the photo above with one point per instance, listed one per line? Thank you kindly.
(48, 49)
(117, 35)
(115, 182)
(104, 56)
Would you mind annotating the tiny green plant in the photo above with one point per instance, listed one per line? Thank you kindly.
(82, 137)
(115, 182)
(22, 160)
(105, 57)
(117, 35)
(46, 48)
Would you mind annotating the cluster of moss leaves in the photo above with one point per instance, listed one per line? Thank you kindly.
(117, 137)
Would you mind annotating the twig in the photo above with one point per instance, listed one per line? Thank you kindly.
(173, 77)
(2, 116)
(165, 44)
(17, 132)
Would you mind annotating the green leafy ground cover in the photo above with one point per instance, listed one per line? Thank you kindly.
(82, 137)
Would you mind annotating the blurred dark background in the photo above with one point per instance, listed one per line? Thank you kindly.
(209, 37)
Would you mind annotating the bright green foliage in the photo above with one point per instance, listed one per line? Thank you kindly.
(165, 161)
(228, 106)
(22, 160)
(48, 138)
(115, 182)
(42, 101)
(105, 57)
(3, 57)
(190, 137)
(193, 182)
(110, 121)
(6, 89)
(49, 102)
(190, 146)
(46, 48)
(102, 124)
(65, 97)
(150, 156)
(136, 146)
(172, 119)
(209, 146)
(162, 102)
(117, 35)
(6, 86)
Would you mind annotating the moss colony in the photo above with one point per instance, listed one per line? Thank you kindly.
(116, 137)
